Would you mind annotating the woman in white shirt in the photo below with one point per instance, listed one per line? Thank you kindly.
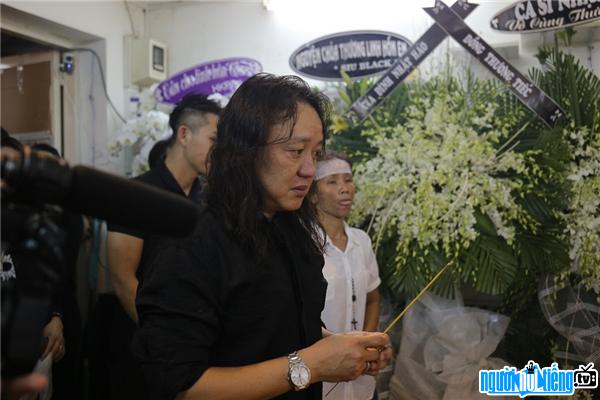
(352, 300)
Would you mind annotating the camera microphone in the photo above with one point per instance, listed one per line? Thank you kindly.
(130, 203)
(37, 179)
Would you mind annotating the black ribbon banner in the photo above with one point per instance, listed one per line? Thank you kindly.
(449, 21)
(406, 64)
(529, 94)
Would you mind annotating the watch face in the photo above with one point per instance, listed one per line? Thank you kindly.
(300, 375)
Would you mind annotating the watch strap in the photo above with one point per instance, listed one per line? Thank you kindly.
(294, 359)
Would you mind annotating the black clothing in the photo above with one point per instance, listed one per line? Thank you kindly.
(125, 379)
(114, 372)
(27, 267)
(162, 178)
(96, 346)
(67, 382)
(206, 302)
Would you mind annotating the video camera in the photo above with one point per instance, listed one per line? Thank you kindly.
(36, 191)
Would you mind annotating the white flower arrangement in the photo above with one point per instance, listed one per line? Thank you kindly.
(222, 100)
(141, 132)
(583, 214)
(432, 174)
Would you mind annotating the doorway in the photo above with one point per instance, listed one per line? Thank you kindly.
(31, 106)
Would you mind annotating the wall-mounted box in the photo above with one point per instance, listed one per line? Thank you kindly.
(147, 60)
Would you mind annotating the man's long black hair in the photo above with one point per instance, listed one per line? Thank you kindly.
(234, 189)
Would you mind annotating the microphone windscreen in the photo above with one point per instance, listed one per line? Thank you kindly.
(130, 203)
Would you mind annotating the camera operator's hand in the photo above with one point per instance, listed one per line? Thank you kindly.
(13, 389)
(56, 342)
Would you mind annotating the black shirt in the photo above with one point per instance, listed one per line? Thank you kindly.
(207, 302)
(162, 178)
(28, 264)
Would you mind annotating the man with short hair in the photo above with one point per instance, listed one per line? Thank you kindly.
(194, 125)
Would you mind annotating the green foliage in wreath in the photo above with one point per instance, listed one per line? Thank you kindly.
(577, 89)
(455, 168)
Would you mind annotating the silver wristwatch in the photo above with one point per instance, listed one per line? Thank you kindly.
(298, 372)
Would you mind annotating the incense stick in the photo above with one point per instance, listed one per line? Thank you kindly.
(421, 293)
(405, 310)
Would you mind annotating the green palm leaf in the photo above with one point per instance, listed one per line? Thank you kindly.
(495, 263)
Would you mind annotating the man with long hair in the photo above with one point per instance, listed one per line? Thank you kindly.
(234, 310)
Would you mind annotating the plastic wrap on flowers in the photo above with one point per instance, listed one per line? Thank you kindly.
(575, 313)
(443, 347)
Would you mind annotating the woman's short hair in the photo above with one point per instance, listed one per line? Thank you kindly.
(234, 189)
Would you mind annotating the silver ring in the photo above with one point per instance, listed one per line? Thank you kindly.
(368, 367)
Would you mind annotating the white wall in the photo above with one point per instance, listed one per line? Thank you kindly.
(200, 31)
(197, 32)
